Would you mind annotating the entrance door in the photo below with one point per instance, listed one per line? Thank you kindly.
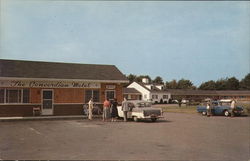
(47, 102)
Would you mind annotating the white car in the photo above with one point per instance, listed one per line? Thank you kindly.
(141, 110)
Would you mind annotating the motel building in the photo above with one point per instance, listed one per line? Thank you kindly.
(150, 92)
(56, 88)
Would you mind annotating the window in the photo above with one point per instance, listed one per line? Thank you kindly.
(95, 94)
(14, 95)
(1, 95)
(165, 96)
(110, 94)
(26, 95)
(154, 96)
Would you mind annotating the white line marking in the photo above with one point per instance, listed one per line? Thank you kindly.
(37, 132)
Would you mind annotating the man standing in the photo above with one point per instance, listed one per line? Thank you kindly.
(232, 107)
(125, 109)
(208, 109)
(90, 108)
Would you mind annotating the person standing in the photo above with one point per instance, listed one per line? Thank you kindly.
(208, 109)
(91, 106)
(106, 109)
(125, 109)
(114, 111)
(232, 107)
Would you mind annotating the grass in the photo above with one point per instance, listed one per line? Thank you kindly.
(192, 109)
(246, 107)
(182, 109)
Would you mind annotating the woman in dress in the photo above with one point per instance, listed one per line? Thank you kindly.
(114, 111)
(90, 108)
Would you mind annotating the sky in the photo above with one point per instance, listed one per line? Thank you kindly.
(194, 40)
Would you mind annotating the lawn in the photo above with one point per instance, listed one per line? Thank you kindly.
(182, 109)
(246, 107)
(192, 109)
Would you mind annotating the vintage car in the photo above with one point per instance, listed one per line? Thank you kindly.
(141, 110)
(219, 108)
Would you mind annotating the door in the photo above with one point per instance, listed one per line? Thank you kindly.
(47, 102)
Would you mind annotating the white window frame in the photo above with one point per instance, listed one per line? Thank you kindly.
(21, 93)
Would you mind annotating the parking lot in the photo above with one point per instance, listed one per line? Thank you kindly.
(177, 137)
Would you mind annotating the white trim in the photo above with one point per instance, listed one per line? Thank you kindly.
(55, 79)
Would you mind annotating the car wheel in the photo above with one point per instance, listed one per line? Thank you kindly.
(226, 113)
(135, 118)
(204, 113)
(153, 119)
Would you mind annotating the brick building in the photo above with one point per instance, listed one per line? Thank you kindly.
(55, 88)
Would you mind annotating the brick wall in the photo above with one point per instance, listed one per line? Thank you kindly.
(68, 109)
(16, 110)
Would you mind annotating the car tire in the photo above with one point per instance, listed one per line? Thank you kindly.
(226, 113)
(135, 118)
(153, 119)
(204, 113)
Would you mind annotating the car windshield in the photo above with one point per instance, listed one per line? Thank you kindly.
(143, 104)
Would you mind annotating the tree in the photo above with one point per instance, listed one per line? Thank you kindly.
(210, 85)
(221, 84)
(172, 84)
(232, 84)
(139, 78)
(158, 80)
(185, 84)
(131, 78)
(245, 82)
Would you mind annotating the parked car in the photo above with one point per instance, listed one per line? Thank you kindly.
(141, 110)
(184, 101)
(219, 108)
(175, 101)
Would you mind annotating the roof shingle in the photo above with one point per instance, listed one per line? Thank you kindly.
(54, 70)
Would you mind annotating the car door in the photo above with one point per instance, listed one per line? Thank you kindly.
(131, 106)
(215, 108)
(218, 109)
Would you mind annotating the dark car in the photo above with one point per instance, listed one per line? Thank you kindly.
(219, 108)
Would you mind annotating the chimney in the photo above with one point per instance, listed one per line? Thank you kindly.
(145, 80)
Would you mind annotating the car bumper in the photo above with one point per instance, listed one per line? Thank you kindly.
(238, 112)
(152, 117)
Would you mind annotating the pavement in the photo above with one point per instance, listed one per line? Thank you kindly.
(175, 137)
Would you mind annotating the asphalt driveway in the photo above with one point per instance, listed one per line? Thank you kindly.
(177, 137)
